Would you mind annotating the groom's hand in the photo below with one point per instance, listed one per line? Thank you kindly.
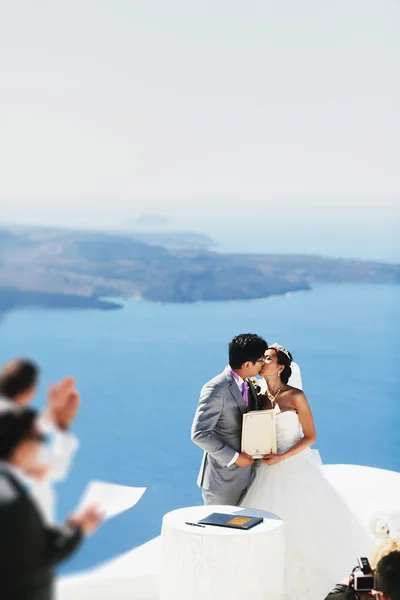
(244, 460)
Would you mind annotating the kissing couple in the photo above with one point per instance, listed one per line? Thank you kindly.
(290, 483)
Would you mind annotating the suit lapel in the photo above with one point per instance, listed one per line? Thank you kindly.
(25, 495)
(8, 474)
(234, 390)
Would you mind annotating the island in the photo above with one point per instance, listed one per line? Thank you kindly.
(52, 267)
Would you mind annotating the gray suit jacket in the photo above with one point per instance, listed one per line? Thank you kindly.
(217, 429)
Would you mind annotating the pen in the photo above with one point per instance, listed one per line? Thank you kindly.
(195, 524)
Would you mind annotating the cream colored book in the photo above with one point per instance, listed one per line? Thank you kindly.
(259, 433)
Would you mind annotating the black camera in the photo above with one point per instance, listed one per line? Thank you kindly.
(363, 577)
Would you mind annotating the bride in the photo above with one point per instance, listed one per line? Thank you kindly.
(323, 537)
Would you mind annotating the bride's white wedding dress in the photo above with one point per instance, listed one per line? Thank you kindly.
(323, 537)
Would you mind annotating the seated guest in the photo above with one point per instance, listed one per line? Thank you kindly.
(29, 549)
(385, 564)
(18, 385)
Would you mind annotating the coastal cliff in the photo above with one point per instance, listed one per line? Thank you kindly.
(67, 268)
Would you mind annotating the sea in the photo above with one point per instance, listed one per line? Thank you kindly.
(140, 371)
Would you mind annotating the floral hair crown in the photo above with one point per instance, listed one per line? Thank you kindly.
(281, 349)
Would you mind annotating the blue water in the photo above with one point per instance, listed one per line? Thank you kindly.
(140, 371)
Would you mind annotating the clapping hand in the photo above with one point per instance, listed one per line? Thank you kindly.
(63, 402)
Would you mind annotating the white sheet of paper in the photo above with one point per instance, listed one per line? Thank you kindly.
(110, 498)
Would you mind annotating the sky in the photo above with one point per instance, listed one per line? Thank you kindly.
(268, 125)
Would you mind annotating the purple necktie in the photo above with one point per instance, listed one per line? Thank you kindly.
(245, 392)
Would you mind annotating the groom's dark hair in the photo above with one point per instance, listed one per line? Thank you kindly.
(246, 347)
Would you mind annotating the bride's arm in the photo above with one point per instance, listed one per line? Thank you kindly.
(304, 413)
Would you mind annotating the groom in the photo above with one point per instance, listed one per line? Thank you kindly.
(225, 472)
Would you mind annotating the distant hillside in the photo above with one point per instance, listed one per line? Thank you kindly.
(54, 267)
(175, 240)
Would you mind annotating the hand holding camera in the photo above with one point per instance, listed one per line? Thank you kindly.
(362, 577)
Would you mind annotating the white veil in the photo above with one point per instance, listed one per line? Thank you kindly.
(295, 378)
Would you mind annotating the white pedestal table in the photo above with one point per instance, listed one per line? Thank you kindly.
(219, 563)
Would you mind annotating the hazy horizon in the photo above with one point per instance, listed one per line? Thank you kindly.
(230, 240)
(268, 126)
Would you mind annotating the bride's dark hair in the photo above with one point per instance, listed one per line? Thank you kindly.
(285, 359)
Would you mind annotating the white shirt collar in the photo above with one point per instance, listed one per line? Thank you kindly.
(238, 379)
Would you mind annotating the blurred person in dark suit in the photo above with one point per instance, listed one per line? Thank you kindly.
(29, 548)
(18, 386)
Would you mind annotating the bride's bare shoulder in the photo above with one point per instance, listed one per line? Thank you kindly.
(294, 390)
(296, 396)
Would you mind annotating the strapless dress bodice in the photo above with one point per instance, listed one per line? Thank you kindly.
(288, 430)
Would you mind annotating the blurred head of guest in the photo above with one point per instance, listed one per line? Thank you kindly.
(18, 381)
(20, 440)
(387, 577)
(386, 547)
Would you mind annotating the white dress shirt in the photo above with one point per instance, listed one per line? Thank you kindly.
(57, 455)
